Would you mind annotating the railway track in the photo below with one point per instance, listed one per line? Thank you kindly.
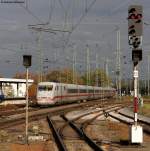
(80, 130)
(60, 144)
(7, 113)
(19, 116)
(127, 119)
(79, 123)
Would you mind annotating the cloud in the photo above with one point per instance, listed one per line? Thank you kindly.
(97, 27)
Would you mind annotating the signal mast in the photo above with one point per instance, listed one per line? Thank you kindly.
(135, 32)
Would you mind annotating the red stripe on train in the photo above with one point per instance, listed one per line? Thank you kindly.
(66, 96)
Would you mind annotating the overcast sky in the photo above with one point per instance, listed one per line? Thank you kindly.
(97, 28)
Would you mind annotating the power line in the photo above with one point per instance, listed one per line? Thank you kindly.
(83, 15)
(51, 9)
(32, 14)
(80, 20)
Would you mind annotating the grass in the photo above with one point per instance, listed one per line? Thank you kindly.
(145, 110)
(147, 106)
(145, 97)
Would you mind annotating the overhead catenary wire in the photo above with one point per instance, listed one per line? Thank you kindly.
(120, 6)
(80, 20)
(32, 14)
(51, 10)
(83, 15)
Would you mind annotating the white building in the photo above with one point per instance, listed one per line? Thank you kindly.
(14, 88)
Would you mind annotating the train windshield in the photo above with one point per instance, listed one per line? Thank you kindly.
(45, 87)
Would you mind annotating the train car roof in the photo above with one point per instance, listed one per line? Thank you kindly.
(75, 85)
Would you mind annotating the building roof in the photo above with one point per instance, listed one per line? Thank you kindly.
(12, 80)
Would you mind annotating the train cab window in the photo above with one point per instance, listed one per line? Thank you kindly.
(45, 87)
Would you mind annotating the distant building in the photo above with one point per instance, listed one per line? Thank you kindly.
(14, 88)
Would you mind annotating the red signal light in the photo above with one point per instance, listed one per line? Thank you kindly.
(139, 16)
(132, 16)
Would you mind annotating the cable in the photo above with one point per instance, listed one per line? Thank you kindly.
(31, 13)
(61, 4)
(12, 50)
(52, 7)
(120, 6)
(78, 23)
(83, 15)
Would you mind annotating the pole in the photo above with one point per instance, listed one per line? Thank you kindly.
(148, 76)
(27, 105)
(40, 61)
(88, 67)
(119, 65)
(135, 93)
(74, 68)
(96, 81)
(106, 71)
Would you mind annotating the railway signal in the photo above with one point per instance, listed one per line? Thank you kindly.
(27, 62)
(135, 23)
(135, 31)
(136, 55)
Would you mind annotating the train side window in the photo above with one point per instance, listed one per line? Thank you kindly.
(82, 91)
(72, 90)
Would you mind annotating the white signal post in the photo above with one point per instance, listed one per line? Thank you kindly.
(27, 105)
(27, 63)
(135, 93)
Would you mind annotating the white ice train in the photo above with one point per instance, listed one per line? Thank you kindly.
(49, 93)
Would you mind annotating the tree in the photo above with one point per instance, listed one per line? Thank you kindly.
(97, 76)
(63, 76)
(32, 91)
(23, 76)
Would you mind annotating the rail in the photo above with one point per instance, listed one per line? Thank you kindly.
(60, 144)
(81, 133)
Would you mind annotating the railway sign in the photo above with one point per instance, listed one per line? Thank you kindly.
(135, 22)
(135, 25)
